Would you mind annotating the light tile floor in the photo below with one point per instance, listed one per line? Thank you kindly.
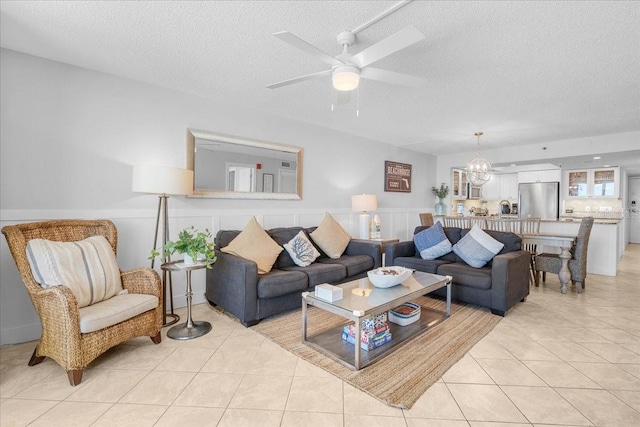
(555, 360)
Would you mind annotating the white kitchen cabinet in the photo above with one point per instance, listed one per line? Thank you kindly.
(551, 175)
(458, 184)
(500, 187)
(603, 182)
(509, 186)
(491, 189)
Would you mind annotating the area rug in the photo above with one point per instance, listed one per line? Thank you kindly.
(400, 378)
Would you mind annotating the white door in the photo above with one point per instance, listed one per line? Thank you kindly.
(633, 211)
(240, 177)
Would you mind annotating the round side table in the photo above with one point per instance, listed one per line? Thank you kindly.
(189, 329)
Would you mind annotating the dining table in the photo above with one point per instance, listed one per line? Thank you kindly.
(565, 243)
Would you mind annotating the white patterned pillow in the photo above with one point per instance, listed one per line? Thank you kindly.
(301, 250)
(477, 248)
(88, 267)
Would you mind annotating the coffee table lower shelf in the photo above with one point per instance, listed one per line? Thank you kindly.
(332, 345)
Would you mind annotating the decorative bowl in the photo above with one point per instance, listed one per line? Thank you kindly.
(405, 314)
(386, 277)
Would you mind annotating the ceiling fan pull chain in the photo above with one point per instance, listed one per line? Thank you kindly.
(358, 101)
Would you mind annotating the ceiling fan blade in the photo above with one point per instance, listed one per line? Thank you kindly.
(392, 77)
(400, 40)
(306, 47)
(299, 79)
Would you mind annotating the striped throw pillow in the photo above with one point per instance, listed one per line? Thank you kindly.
(88, 267)
(477, 248)
(431, 242)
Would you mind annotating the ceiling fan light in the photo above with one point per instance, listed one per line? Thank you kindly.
(345, 77)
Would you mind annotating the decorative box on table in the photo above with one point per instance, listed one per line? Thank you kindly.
(329, 292)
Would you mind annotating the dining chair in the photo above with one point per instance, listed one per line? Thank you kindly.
(75, 333)
(530, 226)
(504, 224)
(546, 262)
(479, 221)
(426, 219)
(454, 221)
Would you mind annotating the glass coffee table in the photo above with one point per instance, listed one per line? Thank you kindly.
(362, 300)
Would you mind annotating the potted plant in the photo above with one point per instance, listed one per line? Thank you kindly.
(440, 193)
(191, 243)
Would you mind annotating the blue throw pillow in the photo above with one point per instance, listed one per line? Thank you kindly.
(432, 242)
(477, 248)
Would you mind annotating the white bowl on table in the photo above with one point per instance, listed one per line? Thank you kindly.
(386, 277)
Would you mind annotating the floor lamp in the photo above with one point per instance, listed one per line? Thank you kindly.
(163, 181)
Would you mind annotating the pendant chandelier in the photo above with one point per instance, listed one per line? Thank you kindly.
(478, 169)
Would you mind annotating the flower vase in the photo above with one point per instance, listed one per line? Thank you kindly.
(441, 208)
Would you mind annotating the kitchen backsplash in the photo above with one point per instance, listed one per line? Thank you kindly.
(492, 206)
(599, 208)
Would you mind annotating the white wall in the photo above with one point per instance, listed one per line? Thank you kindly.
(70, 136)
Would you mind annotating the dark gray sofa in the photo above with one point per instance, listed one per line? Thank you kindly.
(499, 285)
(234, 284)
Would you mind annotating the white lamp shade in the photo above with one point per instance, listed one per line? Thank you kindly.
(162, 180)
(345, 77)
(364, 203)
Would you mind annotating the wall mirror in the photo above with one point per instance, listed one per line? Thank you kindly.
(231, 167)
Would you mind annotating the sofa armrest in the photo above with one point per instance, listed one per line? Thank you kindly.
(365, 248)
(401, 249)
(510, 279)
(232, 284)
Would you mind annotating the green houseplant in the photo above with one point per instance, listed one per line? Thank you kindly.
(190, 243)
(440, 193)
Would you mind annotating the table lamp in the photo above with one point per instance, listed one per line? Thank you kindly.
(364, 203)
(163, 181)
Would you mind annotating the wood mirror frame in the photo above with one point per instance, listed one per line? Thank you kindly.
(250, 147)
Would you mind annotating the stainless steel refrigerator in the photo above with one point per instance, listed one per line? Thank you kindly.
(539, 200)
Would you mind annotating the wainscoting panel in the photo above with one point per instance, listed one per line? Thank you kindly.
(18, 320)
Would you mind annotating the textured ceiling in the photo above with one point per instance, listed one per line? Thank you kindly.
(522, 72)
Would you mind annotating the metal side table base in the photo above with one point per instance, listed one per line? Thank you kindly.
(189, 329)
(186, 331)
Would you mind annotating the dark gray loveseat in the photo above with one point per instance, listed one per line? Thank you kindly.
(499, 285)
(235, 285)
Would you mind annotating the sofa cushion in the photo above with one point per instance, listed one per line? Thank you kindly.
(477, 248)
(355, 264)
(331, 237)
(115, 310)
(279, 282)
(465, 275)
(88, 267)
(301, 250)
(281, 236)
(319, 273)
(432, 243)
(419, 264)
(254, 244)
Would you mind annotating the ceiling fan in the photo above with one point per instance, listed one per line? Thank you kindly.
(347, 69)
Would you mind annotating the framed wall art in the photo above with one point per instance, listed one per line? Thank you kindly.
(397, 177)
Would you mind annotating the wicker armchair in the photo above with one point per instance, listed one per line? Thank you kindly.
(57, 306)
(552, 263)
